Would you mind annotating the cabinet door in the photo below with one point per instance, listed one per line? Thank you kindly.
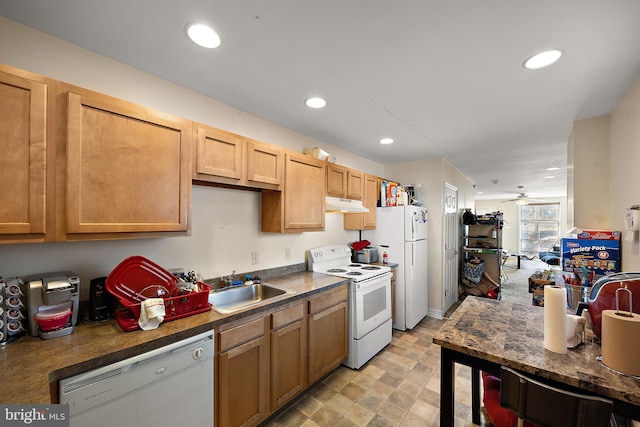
(367, 220)
(370, 201)
(127, 167)
(219, 156)
(355, 185)
(23, 139)
(265, 165)
(327, 333)
(300, 206)
(288, 354)
(304, 193)
(336, 180)
(243, 375)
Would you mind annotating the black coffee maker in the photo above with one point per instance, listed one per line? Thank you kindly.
(100, 301)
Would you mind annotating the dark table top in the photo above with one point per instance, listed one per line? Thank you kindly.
(512, 335)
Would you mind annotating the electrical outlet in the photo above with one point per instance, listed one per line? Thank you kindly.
(254, 257)
(287, 253)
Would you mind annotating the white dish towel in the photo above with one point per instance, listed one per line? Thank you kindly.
(151, 313)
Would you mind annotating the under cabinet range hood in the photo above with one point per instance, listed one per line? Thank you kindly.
(337, 204)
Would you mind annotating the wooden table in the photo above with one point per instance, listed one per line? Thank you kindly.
(486, 334)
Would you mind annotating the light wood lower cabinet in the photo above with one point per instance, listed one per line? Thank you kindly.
(327, 332)
(288, 354)
(264, 362)
(243, 375)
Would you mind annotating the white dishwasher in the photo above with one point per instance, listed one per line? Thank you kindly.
(170, 386)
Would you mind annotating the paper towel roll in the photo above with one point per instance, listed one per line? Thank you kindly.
(575, 330)
(555, 323)
(621, 342)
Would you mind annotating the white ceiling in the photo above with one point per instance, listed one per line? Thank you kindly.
(443, 78)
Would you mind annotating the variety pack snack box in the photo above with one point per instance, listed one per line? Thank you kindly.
(600, 256)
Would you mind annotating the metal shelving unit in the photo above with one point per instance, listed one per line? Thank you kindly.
(484, 240)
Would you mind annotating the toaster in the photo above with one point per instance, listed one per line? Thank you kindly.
(367, 255)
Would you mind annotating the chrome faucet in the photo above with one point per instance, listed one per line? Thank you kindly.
(227, 280)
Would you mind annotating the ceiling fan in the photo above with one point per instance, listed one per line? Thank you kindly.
(523, 200)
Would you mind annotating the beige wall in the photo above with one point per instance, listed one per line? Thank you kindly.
(624, 182)
(432, 174)
(605, 155)
(590, 167)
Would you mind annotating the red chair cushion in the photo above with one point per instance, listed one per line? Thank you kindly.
(499, 416)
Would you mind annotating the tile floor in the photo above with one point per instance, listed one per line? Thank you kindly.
(398, 387)
(401, 385)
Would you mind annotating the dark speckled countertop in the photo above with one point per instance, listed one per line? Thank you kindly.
(512, 335)
(30, 366)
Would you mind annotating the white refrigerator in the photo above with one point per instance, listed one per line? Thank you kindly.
(402, 232)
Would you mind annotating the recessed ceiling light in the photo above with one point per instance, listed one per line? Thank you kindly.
(549, 177)
(386, 141)
(552, 169)
(542, 59)
(203, 35)
(315, 102)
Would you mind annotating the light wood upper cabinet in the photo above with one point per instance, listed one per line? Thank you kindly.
(367, 220)
(336, 180)
(223, 157)
(265, 165)
(355, 185)
(26, 175)
(300, 206)
(127, 169)
(344, 182)
(219, 155)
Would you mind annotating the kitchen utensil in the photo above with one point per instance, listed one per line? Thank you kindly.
(49, 293)
(360, 245)
(100, 301)
(50, 320)
(133, 274)
(603, 297)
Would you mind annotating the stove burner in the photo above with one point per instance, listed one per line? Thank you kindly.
(336, 270)
(371, 267)
(354, 273)
(354, 265)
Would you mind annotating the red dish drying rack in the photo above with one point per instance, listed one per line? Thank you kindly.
(134, 274)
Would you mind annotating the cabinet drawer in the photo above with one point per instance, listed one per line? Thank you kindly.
(288, 315)
(327, 300)
(241, 334)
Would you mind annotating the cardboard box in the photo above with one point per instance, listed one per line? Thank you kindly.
(319, 153)
(537, 289)
(599, 235)
(600, 256)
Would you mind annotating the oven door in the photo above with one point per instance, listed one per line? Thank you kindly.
(370, 304)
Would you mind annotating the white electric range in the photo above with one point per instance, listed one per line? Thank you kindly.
(369, 300)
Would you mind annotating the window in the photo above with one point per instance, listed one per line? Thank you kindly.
(539, 228)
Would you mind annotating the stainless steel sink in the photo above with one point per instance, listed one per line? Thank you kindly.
(232, 299)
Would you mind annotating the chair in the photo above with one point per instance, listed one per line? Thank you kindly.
(548, 406)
